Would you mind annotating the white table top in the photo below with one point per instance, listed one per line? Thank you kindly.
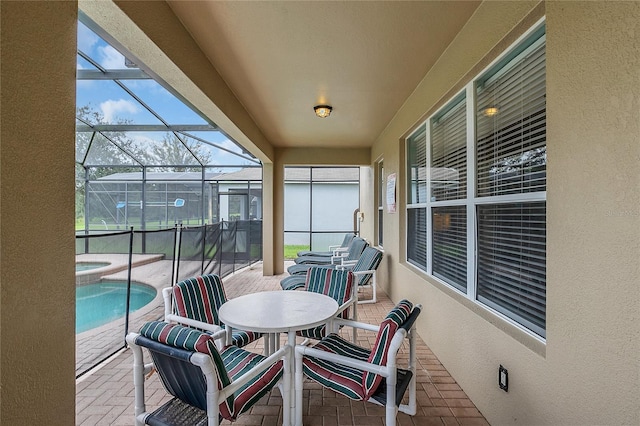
(278, 311)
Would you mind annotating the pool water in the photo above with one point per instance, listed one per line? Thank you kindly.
(86, 266)
(100, 303)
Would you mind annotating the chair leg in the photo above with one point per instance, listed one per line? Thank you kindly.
(374, 289)
(286, 387)
(138, 382)
(298, 387)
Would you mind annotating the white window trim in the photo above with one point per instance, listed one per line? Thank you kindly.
(471, 201)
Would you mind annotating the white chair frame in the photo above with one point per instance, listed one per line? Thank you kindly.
(389, 372)
(214, 396)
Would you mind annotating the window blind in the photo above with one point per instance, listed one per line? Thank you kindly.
(449, 153)
(417, 237)
(511, 139)
(449, 260)
(511, 263)
(417, 166)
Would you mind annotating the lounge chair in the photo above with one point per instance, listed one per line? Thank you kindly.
(354, 249)
(351, 256)
(364, 270)
(332, 249)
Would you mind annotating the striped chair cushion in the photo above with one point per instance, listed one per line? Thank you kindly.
(237, 362)
(368, 261)
(356, 248)
(231, 363)
(394, 319)
(342, 379)
(191, 340)
(200, 298)
(242, 338)
(293, 282)
(333, 283)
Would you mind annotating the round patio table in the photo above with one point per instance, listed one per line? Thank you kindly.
(274, 312)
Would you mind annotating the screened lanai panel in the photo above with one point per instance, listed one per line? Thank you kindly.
(113, 205)
(114, 151)
(158, 148)
(109, 103)
(213, 147)
(83, 64)
(170, 203)
(165, 104)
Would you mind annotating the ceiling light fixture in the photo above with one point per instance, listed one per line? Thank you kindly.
(323, 111)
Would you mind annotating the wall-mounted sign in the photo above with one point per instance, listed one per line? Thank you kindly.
(391, 193)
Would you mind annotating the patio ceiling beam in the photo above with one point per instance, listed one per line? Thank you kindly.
(145, 128)
(130, 74)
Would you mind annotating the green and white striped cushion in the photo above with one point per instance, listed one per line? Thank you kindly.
(333, 283)
(342, 379)
(394, 319)
(237, 362)
(368, 261)
(200, 298)
(231, 363)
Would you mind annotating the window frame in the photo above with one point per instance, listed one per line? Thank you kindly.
(380, 202)
(471, 201)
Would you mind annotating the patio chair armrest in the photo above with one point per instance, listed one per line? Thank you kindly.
(214, 329)
(370, 271)
(283, 353)
(338, 257)
(340, 359)
(347, 304)
(356, 324)
(346, 264)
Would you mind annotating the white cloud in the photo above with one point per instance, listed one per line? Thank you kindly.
(110, 58)
(112, 107)
(86, 38)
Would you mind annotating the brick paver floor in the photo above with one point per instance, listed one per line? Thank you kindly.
(105, 397)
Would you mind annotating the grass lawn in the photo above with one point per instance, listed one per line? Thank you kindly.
(291, 252)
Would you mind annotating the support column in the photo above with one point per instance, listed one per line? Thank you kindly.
(37, 247)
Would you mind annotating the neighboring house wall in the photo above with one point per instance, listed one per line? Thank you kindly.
(587, 371)
(333, 205)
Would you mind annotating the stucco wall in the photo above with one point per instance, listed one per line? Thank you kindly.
(586, 372)
(37, 347)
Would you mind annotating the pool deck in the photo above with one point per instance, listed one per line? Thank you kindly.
(95, 344)
(105, 395)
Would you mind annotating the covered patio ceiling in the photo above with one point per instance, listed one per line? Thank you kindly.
(362, 58)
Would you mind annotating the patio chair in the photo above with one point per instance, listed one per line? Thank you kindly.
(332, 249)
(195, 302)
(207, 385)
(364, 374)
(364, 270)
(351, 256)
(335, 284)
(352, 253)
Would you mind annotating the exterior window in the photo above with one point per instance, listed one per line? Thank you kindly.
(416, 198)
(448, 183)
(381, 192)
(482, 229)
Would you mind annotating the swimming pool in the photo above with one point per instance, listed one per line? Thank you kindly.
(86, 266)
(100, 303)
